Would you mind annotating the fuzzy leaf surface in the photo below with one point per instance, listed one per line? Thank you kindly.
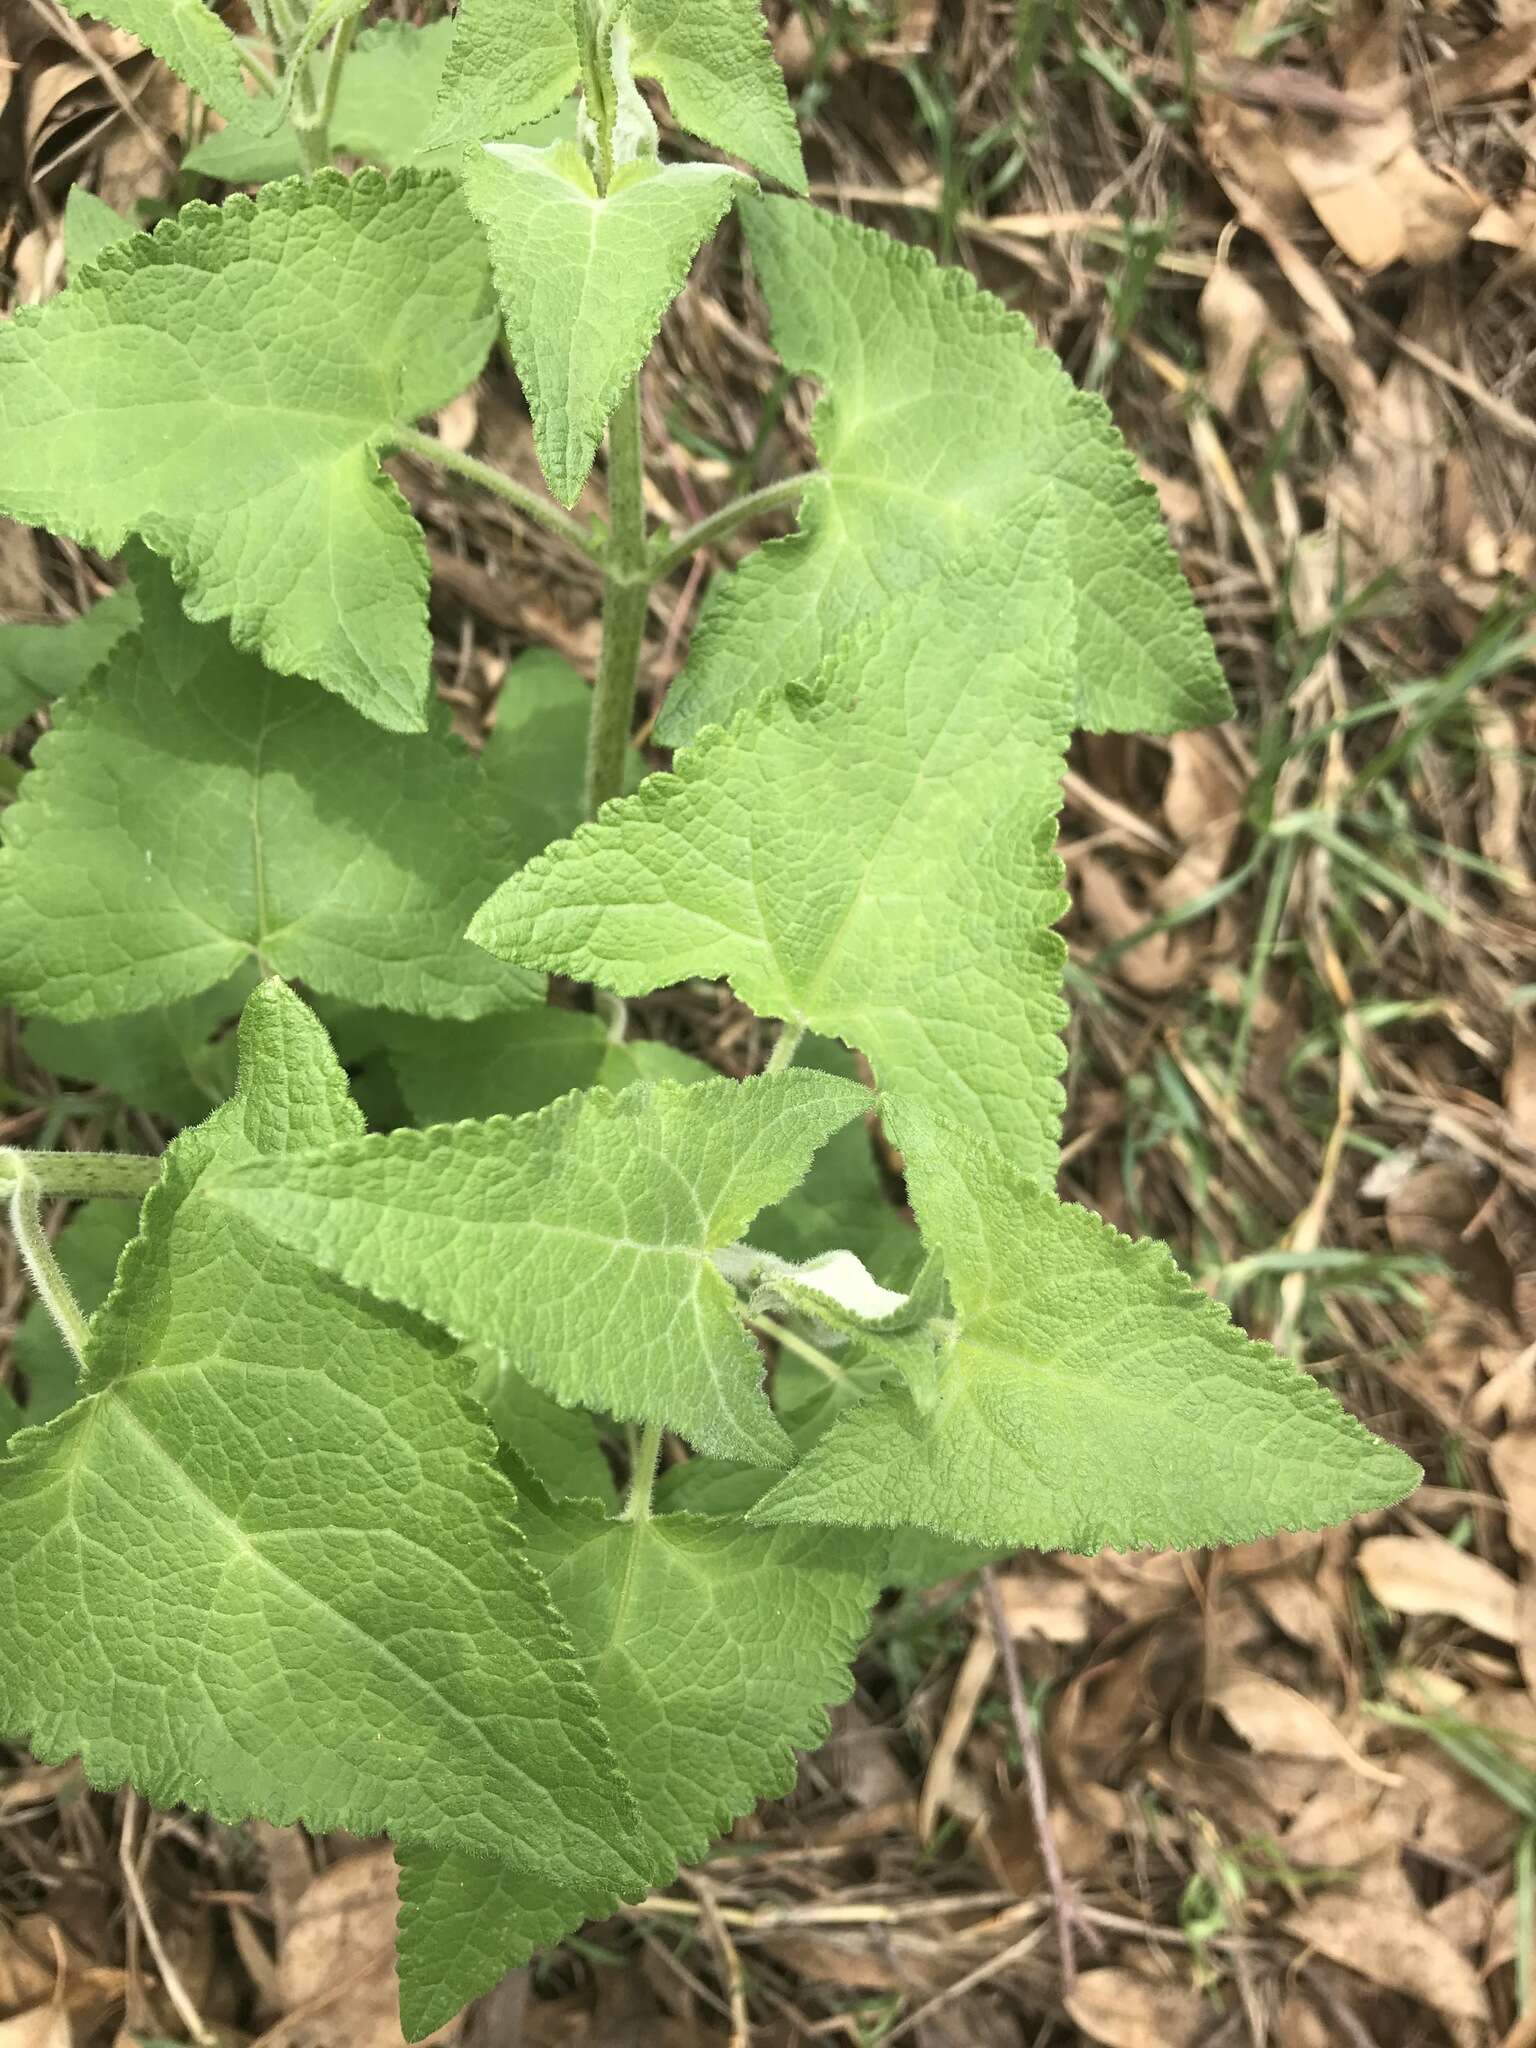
(941, 414)
(1091, 1395)
(905, 907)
(39, 662)
(510, 63)
(513, 61)
(162, 395)
(576, 1241)
(713, 1654)
(266, 1565)
(185, 34)
(584, 279)
(561, 1447)
(191, 813)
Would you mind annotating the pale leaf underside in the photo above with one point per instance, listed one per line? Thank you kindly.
(191, 812)
(1089, 1394)
(713, 1650)
(576, 1241)
(165, 395)
(871, 856)
(941, 417)
(267, 1565)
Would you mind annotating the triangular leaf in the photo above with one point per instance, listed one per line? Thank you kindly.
(264, 1566)
(513, 61)
(942, 414)
(187, 35)
(304, 838)
(1090, 1395)
(584, 279)
(510, 63)
(905, 906)
(577, 1241)
(722, 81)
(713, 1653)
(126, 404)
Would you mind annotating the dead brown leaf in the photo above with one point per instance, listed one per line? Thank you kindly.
(336, 1965)
(1234, 318)
(1123, 2009)
(1398, 1950)
(1427, 1575)
(1279, 1721)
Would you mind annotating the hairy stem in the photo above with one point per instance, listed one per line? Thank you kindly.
(642, 1478)
(335, 64)
(783, 1054)
(51, 1286)
(127, 1175)
(719, 525)
(626, 593)
(542, 511)
(791, 1340)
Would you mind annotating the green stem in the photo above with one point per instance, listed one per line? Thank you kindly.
(52, 1288)
(642, 1478)
(543, 511)
(129, 1176)
(719, 525)
(791, 1340)
(335, 64)
(784, 1051)
(626, 596)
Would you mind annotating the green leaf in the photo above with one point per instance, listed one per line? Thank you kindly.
(584, 279)
(185, 34)
(1090, 1395)
(169, 834)
(513, 61)
(90, 226)
(383, 106)
(713, 1654)
(265, 1567)
(561, 1447)
(942, 416)
(88, 1249)
(518, 1061)
(842, 1202)
(164, 1060)
(577, 1241)
(39, 662)
(717, 67)
(537, 749)
(905, 907)
(126, 405)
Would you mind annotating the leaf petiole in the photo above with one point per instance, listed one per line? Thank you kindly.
(673, 553)
(543, 511)
(52, 1288)
(642, 1480)
(127, 1176)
